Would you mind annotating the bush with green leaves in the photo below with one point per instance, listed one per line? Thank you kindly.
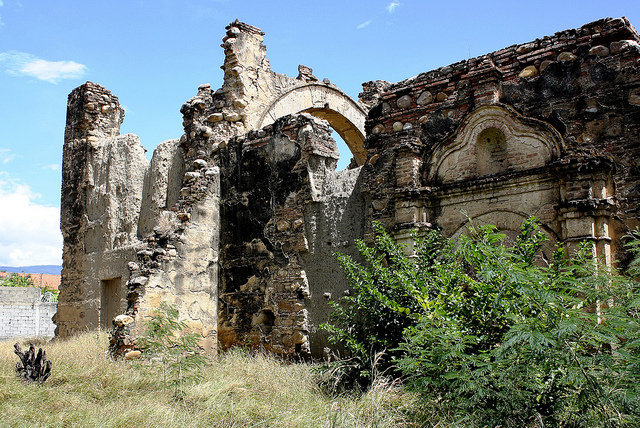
(496, 336)
(17, 280)
(167, 344)
(385, 296)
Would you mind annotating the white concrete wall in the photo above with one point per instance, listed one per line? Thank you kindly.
(23, 314)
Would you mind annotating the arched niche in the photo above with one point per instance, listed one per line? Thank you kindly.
(492, 140)
(326, 102)
(491, 152)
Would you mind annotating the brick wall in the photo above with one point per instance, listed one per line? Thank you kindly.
(23, 314)
(547, 128)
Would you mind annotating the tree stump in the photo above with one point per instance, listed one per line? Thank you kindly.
(32, 367)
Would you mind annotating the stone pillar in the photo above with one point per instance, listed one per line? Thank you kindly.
(588, 207)
(244, 64)
(93, 113)
(408, 166)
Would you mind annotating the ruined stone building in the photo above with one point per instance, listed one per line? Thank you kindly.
(237, 221)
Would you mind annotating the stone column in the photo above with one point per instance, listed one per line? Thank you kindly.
(588, 207)
(93, 114)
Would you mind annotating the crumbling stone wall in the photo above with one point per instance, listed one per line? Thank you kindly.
(237, 222)
(103, 175)
(560, 119)
(276, 183)
(253, 96)
(138, 232)
(232, 256)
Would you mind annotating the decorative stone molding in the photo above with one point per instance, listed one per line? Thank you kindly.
(528, 143)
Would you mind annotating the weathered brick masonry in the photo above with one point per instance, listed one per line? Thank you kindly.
(547, 128)
(237, 221)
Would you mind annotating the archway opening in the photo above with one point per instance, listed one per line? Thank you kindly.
(345, 153)
(348, 137)
(327, 102)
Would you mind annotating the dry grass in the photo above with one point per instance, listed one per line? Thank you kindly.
(89, 389)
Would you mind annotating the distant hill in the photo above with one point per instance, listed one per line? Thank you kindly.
(47, 269)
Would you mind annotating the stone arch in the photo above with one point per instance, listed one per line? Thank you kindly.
(326, 102)
(528, 143)
(508, 222)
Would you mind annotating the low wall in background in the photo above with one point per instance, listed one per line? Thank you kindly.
(24, 314)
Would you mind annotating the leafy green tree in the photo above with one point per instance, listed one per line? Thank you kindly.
(560, 348)
(17, 280)
(385, 297)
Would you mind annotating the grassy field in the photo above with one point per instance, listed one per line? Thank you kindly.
(88, 389)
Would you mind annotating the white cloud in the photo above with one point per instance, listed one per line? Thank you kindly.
(364, 24)
(52, 71)
(52, 167)
(29, 232)
(392, 6)
(20, 63)
(6, 156)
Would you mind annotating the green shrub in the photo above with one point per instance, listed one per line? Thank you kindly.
(495, 335)
(169, 348)
(17, 280)
(385, 297)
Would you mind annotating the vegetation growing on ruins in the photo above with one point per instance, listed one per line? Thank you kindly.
(490, 335)
(466, 333)
(170, 349)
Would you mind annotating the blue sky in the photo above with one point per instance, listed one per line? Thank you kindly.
(153, 54)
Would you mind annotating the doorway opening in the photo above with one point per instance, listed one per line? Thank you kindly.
(111, 296)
